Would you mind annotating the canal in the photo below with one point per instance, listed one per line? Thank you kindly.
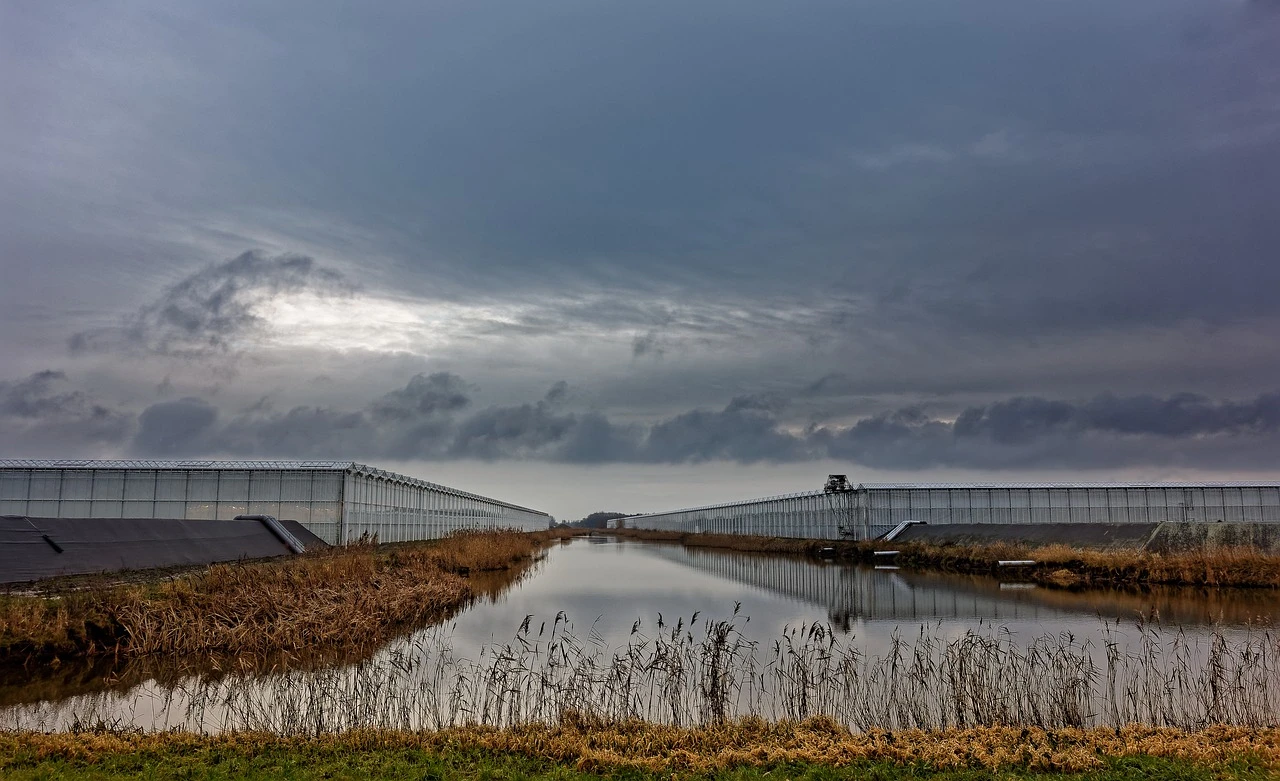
(618, 627)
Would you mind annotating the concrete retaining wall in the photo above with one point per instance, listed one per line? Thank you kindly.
(1190, 536)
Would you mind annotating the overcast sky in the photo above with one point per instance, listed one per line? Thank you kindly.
(587, 255)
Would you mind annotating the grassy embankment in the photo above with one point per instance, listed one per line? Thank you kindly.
(335, 600)
(1056, 565)
(815, 749)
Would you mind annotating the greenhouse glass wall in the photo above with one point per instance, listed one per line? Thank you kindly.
(339, 501)
(871, 509)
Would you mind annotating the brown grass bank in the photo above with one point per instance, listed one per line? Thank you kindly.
(336, 599)
(648, 747)
(1055, 565)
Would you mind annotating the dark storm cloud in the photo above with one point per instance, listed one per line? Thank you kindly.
(558, 394)
(524, 431)
(177, 428)
(594, 439)
(40, 412)
(1107, 430)
(903, 199)
(746, 430)
(646, 344)
(429, 419)
(536, 430)
(1013, 433)
(305, 432)
(207, 311)
(36, 396)
(1022, 420)
(424, 396)
(746, 148)
(423, 420)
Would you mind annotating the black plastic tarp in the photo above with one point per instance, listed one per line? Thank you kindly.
(29, 547)
(304, 535)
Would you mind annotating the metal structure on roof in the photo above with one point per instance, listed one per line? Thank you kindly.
(89, 463)
(237, 465)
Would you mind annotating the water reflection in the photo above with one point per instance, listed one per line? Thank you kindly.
(850, 592)
(613, 592)
(21, 685)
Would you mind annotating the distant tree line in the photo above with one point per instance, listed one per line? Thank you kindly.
(597, 520)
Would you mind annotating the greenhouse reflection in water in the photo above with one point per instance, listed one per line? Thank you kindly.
(609, 606)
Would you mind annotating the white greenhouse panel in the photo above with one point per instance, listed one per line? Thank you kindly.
(872, 509)
(336, 500)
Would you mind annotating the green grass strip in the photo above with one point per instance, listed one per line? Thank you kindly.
(215, 763)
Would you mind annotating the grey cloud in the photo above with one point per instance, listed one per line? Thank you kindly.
(747, 430)
(594, 439)
(558, 393)
(1025, 419)
(538, 430)
(429, 419)
(646, 344)
(41, 412)
(832, 384)
(1015, 421)
(177, 428)
(423, 420)
(305, 432)
(207, 311)
(527, 430)
(35, 396)
(423, 396)
(766, 403)
(666, 204)
(690, 192)
(905, 438)
(416, 421)
(1182, 415)
(1104, 431)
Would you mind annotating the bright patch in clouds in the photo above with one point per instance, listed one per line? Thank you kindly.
(357, 322)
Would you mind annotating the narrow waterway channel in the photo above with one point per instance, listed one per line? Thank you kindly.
(627, 625)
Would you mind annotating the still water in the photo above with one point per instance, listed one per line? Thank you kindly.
(607, 584)
(630, 628)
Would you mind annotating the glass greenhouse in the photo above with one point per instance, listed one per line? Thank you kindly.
(871, 509)
(339, 501)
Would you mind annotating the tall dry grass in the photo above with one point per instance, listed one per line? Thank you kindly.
(1062, 565)
(699, 673)
(341, 598)
(1056, 565)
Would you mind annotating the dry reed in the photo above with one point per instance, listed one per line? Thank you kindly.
(1063, 565)
(699, 673)
(652, 747)
(341, 598)
(1056, 565)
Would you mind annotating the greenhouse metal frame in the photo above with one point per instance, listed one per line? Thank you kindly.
(871, 509)
(339, 501)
